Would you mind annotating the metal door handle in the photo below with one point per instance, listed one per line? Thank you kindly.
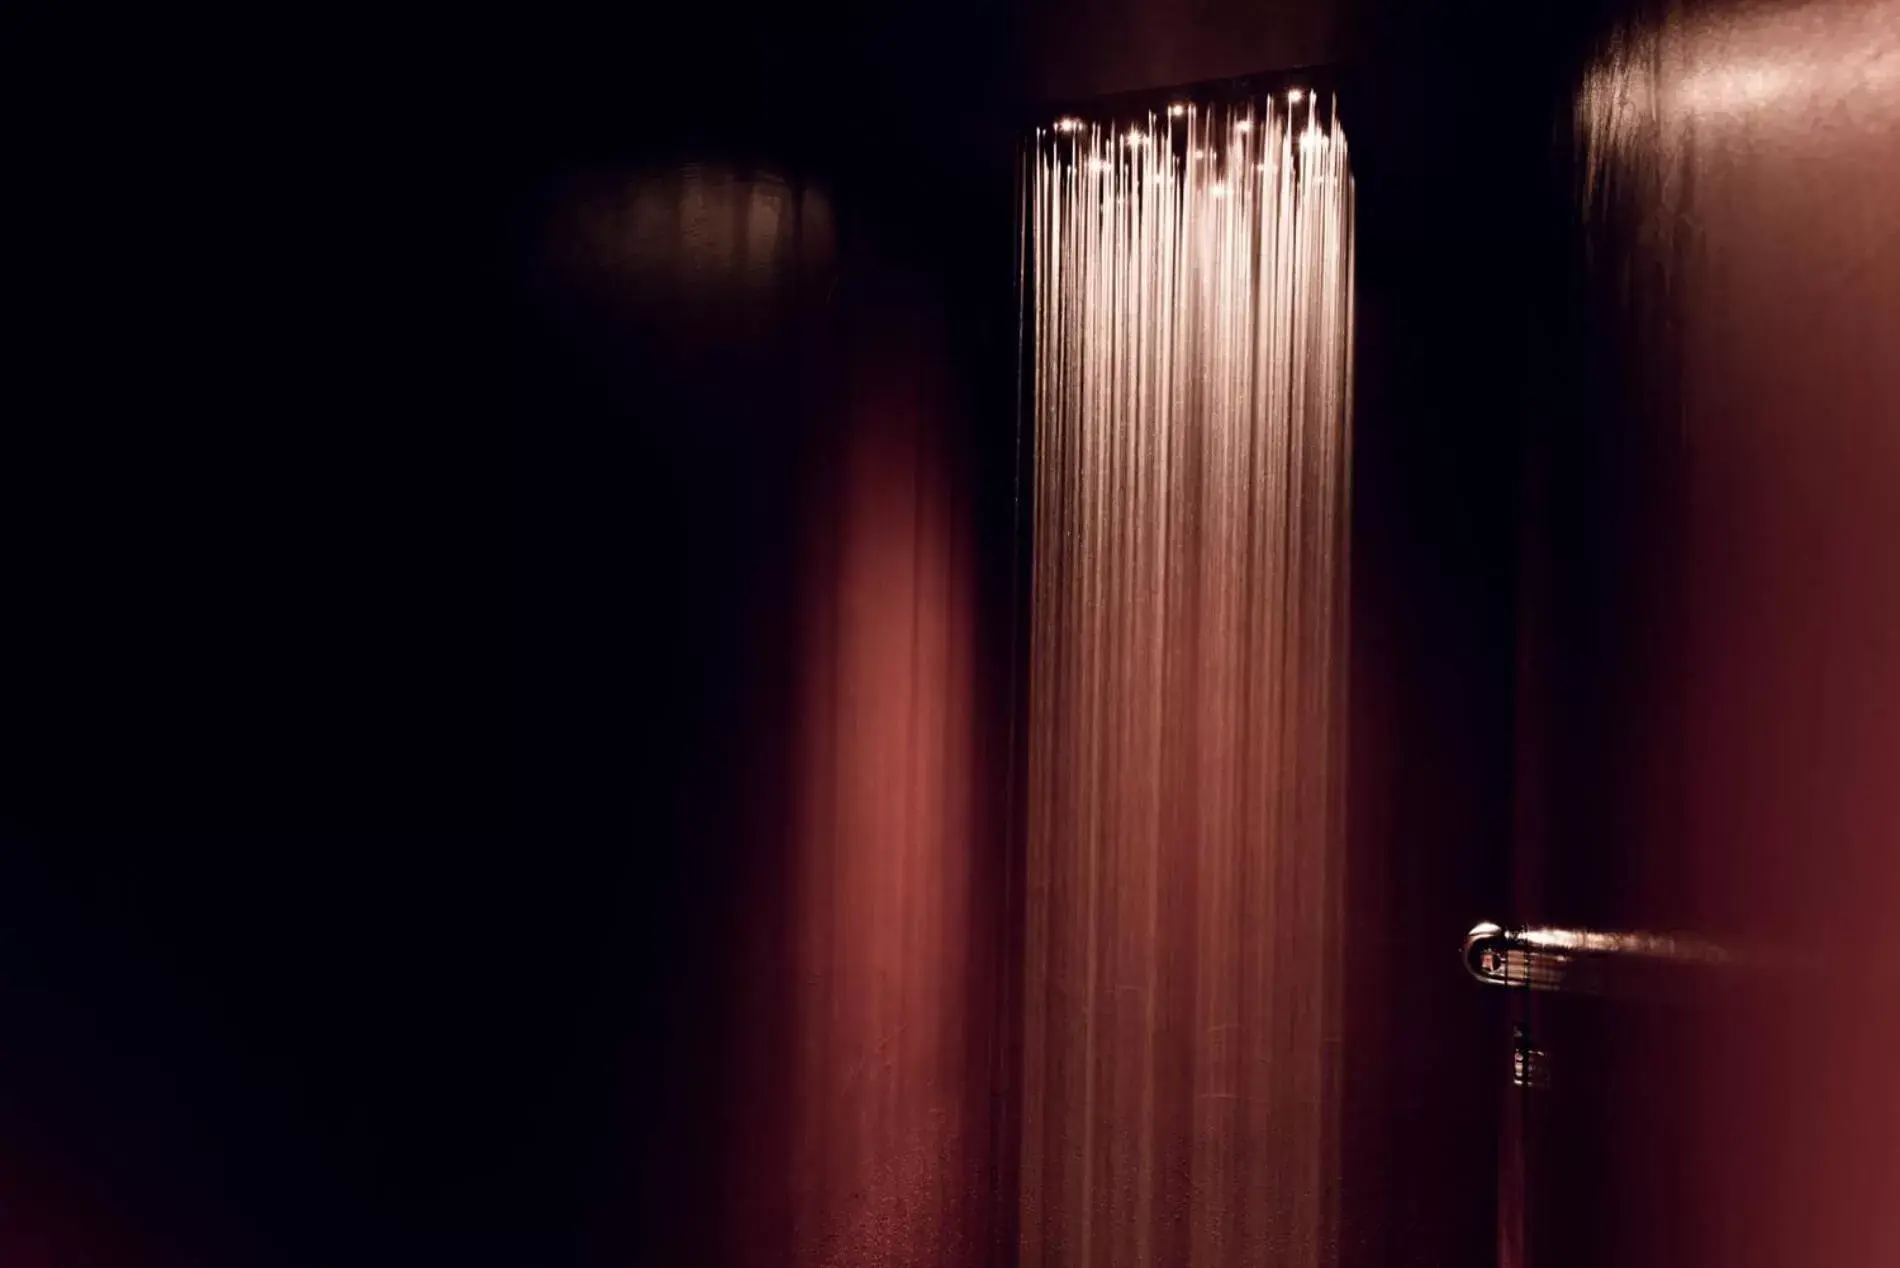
(1544, 958)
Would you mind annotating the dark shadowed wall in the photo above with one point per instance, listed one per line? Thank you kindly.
(1086, 48)
(800, 712)
(506, 759)
(766, 417)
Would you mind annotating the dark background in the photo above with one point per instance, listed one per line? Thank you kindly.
(391, 636)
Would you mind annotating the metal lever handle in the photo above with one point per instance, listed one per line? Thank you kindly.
(1542, 958)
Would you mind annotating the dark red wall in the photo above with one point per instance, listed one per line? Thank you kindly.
(766, 408)
(1712, 637)
(1084, 48)
(416, 832)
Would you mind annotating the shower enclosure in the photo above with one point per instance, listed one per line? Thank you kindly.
(1187, 284)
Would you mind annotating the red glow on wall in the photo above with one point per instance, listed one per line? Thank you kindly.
(883, 848)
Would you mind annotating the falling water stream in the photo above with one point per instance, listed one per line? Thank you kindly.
(1188, 282)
